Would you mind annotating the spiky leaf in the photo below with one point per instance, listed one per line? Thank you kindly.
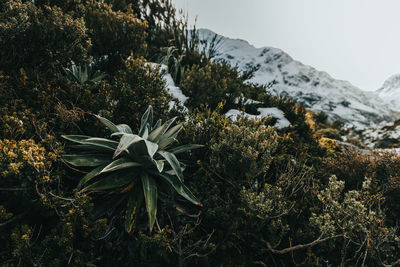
(179, 187)
(173, 132)
(184, 148)
(173, 161)
(134, 202)
(126, 141)
(120, 164)
(155, 135)
(147, 119)
(150, 196)
(87, 160)
(111, 181)
(90, 176)
(124, 128)
(113, 128)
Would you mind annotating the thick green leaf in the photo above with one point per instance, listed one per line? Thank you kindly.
(88, 160)
(111, 181)
(143, 148)
(134, 202)
(120, 164)
(102, 142)
(168, 123)
(180, 188)
(150, 196)
(113, 128)
(92, 142)
(147, 118)
(165, 142)
(76, 138)
(173, 161)
(155, 135)
(184, 148)
(173, 132)
(146, 133)
(159, 164)
(90, 176)
(158, 124)
(126, 141)
(124, 128)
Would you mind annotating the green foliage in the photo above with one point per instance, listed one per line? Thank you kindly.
(36, 37)
(84, 74)
(114, 34)
(358, 219)
(268, 194)
(215, 83)
(132, 89)
(244, 150)
(143, 156)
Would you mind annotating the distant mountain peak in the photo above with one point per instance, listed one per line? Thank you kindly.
(393, 82)
(317, 90)
(390, 92)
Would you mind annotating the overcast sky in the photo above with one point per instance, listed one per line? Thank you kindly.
(354, 40)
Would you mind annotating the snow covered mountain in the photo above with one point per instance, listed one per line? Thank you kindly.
(317, 90)
(390, 92)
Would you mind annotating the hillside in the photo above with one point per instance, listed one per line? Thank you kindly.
(124, 143)
(317, 90)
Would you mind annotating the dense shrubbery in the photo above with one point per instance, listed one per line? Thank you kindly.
(45, 38)
(215, 83)
(270, 197)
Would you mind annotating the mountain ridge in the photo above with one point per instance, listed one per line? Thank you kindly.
(317, 90)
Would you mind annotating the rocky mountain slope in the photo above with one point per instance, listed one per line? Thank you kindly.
(317, 90)
(390, 92)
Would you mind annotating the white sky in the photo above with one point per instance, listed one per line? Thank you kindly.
(354, 40)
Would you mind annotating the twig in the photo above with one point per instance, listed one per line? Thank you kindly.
(301, 246)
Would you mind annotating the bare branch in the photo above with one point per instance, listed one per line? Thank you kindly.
(301, 246)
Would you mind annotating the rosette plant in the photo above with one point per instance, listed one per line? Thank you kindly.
(137, 164)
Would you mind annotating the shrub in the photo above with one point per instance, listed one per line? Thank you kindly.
(131, 90)
(54, 38)
(114, 34)
(215, 83)
(243, 152)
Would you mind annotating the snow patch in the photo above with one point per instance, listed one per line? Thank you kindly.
(264, 112)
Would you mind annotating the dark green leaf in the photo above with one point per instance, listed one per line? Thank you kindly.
(124, 128)
(173, 132)
(159, 164)
(134, 202)
(76, 138)
(126, 141)
(90, 176)
(88, 160)
(147, 118)
(180, 188)
(111, 181)
(158, 124)
(120, 164)
(168, 123)
(143, 148)
(150, 196)
(113, 128)
(165, 142)
(173, 161)
(155, 135)
(180, 149)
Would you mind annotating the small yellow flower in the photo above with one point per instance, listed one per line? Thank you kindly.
(25, 237)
